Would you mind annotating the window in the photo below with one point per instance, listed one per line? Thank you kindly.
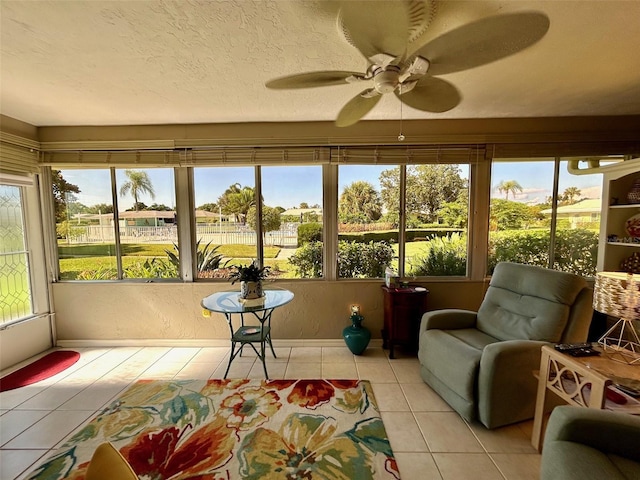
(15, 285)
(292, 221)
(224, 215)
(96, 243)
(147, 222)
(368, 218)
(577, 221)
(526, 227)
(437, 219)
(435, 200)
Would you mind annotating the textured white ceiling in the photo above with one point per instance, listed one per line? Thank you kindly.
(188, 61)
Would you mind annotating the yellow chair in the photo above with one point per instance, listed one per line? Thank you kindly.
(108, 464)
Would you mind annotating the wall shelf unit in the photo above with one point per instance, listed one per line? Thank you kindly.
(616, 243)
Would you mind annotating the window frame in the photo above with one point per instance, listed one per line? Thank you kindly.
(480, 160)
(31, 194)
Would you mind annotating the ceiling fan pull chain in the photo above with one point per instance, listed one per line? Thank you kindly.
(401, 135)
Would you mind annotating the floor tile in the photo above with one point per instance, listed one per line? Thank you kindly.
(376, 372)
(12, 398)
(162, 371)
(180, 355)
(15, 422)
(95, 397)
(210, 355)
(337, 355)
(472, 466)
(509, 439)
(282, 354)
(372, 355)
(403, 432)
(407, 371)
(447, 432)
(49, 431)
(422, 398)
(237, 369)
(340, 371)
(200, 371)
(52, 397)
(306, 354)
(518, 466)
(417, 466)
(275, 370)
(15, 462)
(304, 370)
(389, 397)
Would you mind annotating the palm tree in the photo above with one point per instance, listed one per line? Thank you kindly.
(506, 186)
(137, 184)
(241, 202)
(570, 194)
(360, 200)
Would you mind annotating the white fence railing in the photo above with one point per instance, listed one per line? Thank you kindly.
(287, 236)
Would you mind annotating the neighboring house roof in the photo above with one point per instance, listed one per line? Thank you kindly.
(302, 211)
(590, 205)
(148, 214)
(207, 214)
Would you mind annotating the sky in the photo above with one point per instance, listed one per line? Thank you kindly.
(287, 187)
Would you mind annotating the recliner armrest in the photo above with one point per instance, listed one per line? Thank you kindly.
(506, 384)
(509, 353)
(611, 432)
(448, 319)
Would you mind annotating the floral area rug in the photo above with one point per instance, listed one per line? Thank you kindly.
(237, 429)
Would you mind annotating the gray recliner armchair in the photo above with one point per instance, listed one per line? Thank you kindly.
(583, 443)
(482, 363)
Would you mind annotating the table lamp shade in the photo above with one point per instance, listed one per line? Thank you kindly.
(618, 294)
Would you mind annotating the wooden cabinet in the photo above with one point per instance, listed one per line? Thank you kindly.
(616, 243)
(403, 309)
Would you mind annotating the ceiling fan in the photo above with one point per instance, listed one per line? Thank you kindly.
(390, 35)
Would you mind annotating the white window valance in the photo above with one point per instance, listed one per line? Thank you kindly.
(408, 155)
(18, 160)
(188, 157)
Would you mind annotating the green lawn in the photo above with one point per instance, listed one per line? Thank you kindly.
(154, 250)
(75, 259)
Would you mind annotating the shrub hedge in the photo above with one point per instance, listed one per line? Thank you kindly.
(576, 250)
(355, 260)
(309, 232)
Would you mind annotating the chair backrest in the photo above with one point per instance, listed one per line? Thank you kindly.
(533, 303)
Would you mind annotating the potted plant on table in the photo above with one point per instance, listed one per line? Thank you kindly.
(250, 278)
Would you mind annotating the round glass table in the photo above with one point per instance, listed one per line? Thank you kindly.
(229, 304)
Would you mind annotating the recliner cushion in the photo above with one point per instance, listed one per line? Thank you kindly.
(453, 356)
(524, 302)
(507, 315)
(529, 280)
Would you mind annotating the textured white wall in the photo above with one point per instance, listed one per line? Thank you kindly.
(23, 341)
(172, 311)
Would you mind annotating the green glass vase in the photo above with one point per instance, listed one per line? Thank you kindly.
(356, 336)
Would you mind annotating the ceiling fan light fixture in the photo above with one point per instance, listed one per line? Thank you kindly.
(386, 81)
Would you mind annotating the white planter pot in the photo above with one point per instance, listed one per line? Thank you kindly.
(250, 290)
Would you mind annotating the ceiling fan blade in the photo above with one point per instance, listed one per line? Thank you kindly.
(356, 108)
(484, 41)
(431, 94)
(376, 27)
(313, 79)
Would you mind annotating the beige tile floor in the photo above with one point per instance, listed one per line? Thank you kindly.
(430, 441)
